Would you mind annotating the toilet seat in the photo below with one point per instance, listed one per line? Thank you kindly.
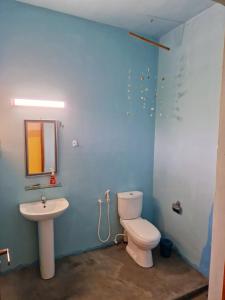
(142, 231)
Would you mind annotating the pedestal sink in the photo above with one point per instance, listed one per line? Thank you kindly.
(44, 213)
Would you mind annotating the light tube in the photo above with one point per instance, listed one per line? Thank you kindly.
(38, 103)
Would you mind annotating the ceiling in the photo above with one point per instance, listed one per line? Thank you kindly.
(149, 17)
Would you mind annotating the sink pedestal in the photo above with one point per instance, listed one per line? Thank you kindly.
(44, 215)
(46, 248)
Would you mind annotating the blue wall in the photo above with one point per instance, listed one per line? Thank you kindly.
(49, 55)
(187, 133)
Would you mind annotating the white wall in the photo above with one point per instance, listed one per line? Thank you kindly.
(187, 133)
(218, 237)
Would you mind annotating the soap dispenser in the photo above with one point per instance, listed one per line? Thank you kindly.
(52, 177)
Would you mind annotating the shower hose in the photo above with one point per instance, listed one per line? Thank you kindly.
(107, 197)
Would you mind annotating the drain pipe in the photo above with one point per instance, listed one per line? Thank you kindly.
(5, 252)
(118, 234)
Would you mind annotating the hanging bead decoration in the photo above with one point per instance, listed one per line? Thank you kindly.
(129, 96)
(148, 74)
(172, 91)
(159, 96)
(143, 94)
(147, 102)
(180, 88)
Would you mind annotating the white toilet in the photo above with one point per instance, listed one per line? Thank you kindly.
(142, 235)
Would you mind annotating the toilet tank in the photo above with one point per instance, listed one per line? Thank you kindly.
(130, 205)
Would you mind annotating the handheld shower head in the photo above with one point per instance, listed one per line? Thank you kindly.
(107, 195)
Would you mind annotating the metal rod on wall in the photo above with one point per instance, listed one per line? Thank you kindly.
(149, 41)
(220, 1)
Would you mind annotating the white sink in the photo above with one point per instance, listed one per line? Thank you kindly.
(44, 213)
(37, 211)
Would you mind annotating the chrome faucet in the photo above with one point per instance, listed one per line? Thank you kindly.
(43, 200)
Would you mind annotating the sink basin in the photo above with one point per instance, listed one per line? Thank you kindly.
(37, 211)
(44, 215)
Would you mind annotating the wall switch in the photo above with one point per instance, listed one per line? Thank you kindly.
(75, 143)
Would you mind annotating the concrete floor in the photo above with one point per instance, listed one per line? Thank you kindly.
(106, 274)
(203, 296)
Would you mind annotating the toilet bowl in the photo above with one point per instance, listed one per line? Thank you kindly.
(142, 235)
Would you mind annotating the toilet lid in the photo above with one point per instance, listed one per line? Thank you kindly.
(142, 229)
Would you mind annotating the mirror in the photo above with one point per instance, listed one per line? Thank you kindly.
(40, 147)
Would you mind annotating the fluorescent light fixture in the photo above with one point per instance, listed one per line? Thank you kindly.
(38, 103)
